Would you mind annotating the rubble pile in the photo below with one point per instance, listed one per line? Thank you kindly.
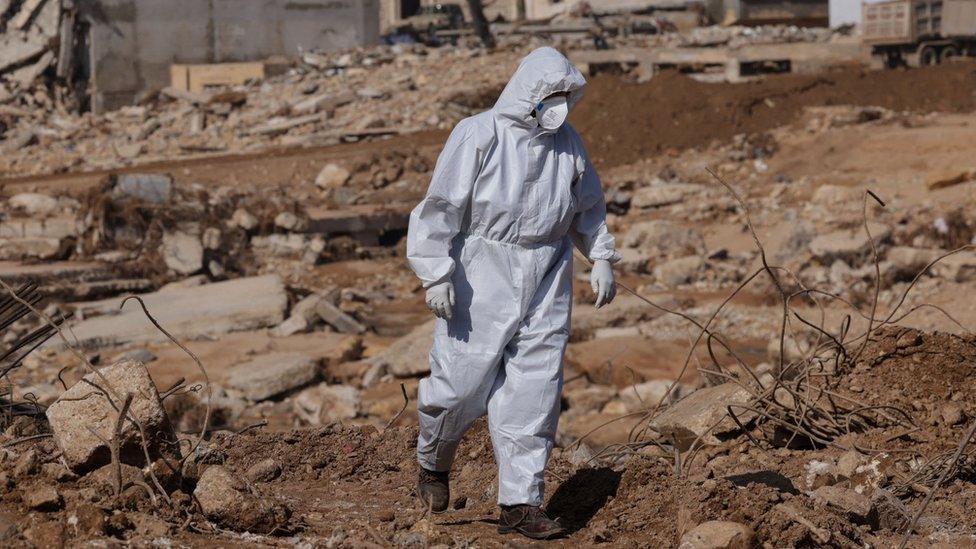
(325, 100)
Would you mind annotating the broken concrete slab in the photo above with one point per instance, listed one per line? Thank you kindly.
(407, 356)
(83, 417)
(337, 318)
(273, 374)
(324, 403)
(358, 219)
(208, 310)
(151, 187)
(702, 415)
(847, 244)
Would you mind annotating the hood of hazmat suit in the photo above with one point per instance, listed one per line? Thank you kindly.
(507, 202)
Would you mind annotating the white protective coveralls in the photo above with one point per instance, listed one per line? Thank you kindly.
(506, 203)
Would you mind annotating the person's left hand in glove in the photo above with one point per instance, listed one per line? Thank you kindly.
(601, 280)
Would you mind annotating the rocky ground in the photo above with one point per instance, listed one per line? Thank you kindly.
(282, 272)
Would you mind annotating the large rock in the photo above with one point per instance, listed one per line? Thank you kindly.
(407, 356)
(273, 374)
(324, 403)
(702, 415)
(85, 408)
(232, 503)
(849, 245)
(208, 310)
(182, 252)
(718, 534)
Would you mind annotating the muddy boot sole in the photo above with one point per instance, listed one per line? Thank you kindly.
(548, 534)
(426, 506)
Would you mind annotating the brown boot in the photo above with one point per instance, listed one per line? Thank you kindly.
(530, 521)
(433, 490)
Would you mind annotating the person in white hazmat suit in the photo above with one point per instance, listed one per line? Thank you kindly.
(512, 192)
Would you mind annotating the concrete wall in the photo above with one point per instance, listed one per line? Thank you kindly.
(133, 42)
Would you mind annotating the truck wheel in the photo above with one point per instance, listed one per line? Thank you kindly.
(947, 53)
(928, 56)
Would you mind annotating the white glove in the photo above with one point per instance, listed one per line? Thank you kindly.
(440, 300)
(601, 279)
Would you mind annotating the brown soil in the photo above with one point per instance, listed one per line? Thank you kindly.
(624, 122)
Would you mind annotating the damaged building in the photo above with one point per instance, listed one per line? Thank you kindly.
(110, 51)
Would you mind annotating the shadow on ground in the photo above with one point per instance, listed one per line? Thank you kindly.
(582, 495)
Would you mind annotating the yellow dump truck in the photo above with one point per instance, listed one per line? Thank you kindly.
(919, 32)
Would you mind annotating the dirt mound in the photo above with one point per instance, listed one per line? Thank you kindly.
(623, 122)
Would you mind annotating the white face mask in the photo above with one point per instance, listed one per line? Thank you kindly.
(552, 112)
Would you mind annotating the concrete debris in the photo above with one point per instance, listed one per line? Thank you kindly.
(83, 418)
(244, 219)
(232, 503)
(34, 203)
(855, 506)
(182, 252)
(407, 356)
(324, 403)
(663, 194)
(718, 534)
(332, 176)
(850, 245)
(272, 375)
(647, 395)
(702, 415)
(681, 271)
(152, 188)
(339, 320)
(211, 309)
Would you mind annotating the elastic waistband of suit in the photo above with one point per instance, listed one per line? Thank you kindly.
(527, 245)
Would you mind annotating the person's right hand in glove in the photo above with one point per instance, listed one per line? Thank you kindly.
(440, 300)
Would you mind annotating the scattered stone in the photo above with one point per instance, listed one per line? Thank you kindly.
(718, 534)
(332, 176)
(182, 252)
(663, 238)
(265, 470)
(819, 473)
(42, 498)
(273, 374)
(960, 267)
(211, 238)
(694, 416)
(28, 464)
(82, 414)
(232, 503)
